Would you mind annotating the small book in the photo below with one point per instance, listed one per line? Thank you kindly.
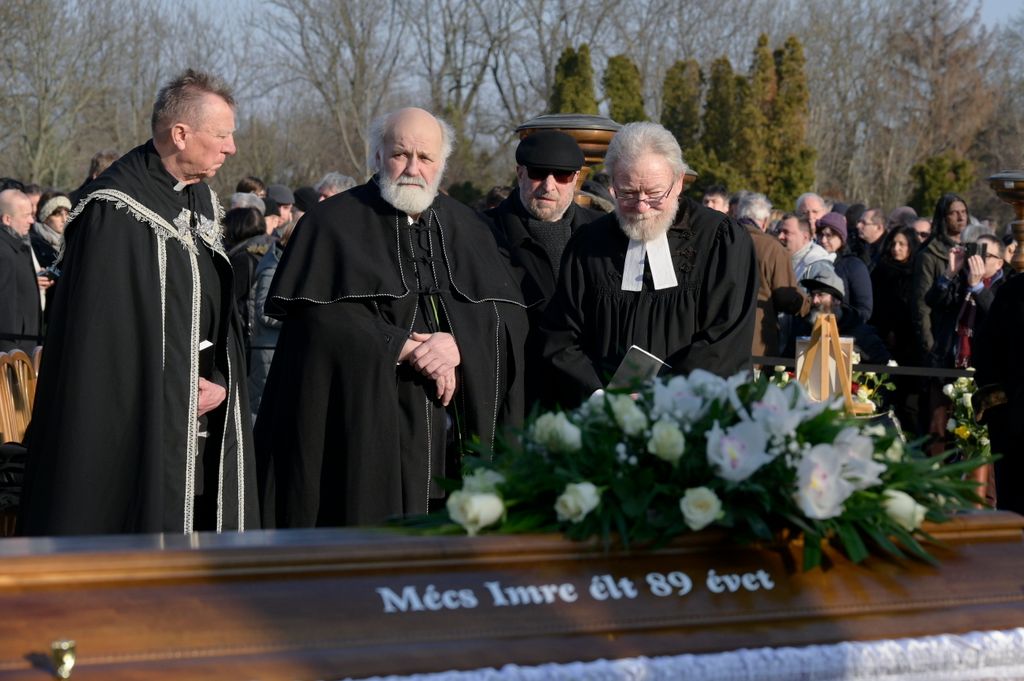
(637, 367)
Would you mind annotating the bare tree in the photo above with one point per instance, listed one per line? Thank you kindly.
(348, 53)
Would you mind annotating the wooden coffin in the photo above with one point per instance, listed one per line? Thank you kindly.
(329, 604)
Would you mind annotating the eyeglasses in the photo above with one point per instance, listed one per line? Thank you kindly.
(561, 176)
(633, 199)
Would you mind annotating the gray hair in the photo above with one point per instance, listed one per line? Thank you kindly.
(634, 140)
(975, 230)
(334, 181)
(380, 130)
(755, 206)
(807, 195)
(178, 101)
(248, 200)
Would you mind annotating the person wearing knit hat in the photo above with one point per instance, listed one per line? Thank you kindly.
(832, 235)
(829, 227)
(47, 233)
(535, 223)
(284, 198)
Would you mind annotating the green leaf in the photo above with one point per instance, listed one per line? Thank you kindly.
(852, 543)
(812, 552)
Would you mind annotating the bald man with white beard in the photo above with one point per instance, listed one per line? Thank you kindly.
(663, 272)
(402, 342)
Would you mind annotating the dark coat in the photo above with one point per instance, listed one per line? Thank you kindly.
(705, 322)
(346, 435)
(894, 301)
(929, 262)
(777, 291)
(113, 443)
(536, 279)
(857, 280)
(20, 312)
(946, 303)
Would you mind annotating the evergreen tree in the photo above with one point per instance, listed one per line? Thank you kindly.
(757, 99)
(791, 158)
(937, 175)
(623, 89)
(573, 90)
(720, 112)
(680, 103)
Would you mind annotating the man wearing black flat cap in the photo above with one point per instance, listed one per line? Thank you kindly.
(534, 224)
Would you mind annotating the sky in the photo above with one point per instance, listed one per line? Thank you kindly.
(997, 13)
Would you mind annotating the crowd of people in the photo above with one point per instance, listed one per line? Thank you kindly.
(324, 355)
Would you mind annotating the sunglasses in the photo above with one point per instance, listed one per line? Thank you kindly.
(561, 176)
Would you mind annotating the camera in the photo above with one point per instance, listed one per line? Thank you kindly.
(976, 248)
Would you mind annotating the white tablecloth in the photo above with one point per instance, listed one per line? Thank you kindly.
(970, 657)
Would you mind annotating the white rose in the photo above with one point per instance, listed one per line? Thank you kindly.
(903, 510)
(482, 480)
(947, 390)
(475, 511)
(557, 433)
(700, 507)
(967, 400)
(578, 499)
(666, 441)
(821, 490)
(983, 441)
(739, 451)
(862, 393)
(628, 415)
(891, 363)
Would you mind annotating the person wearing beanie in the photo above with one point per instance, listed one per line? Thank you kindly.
(533, 226)
(833, 237)
(284, 198)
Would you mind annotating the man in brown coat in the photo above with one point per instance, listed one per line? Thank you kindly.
(777, 291)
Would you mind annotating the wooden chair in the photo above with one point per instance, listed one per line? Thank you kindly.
(17, 394)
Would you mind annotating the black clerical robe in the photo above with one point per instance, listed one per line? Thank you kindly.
(706, 321)
(536, 274)
(345, 435)
(115, 441)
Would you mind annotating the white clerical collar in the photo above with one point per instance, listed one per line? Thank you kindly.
(181, 185)
(655, 253)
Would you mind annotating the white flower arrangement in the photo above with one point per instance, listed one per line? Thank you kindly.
(687, 453)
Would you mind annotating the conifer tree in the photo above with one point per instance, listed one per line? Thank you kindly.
(757, 99)
(937, 175)
(573, 90)
(792, 159)
(720, 112)
(623, 88)
(680, 103)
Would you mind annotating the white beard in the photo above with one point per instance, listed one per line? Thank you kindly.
(411, 200)
(647, 226)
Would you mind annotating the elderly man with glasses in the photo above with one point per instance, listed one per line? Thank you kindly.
(534, 224)
(663, 273)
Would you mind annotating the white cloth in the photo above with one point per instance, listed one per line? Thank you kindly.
(658, 255)
(969, 657)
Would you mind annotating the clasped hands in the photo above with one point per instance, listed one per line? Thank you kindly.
(435, 355)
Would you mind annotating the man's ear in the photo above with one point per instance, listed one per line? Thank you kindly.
(179, 131)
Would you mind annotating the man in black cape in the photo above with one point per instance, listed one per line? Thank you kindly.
(663, 272)
(402, 342)
(533, 225)
(141, 416)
